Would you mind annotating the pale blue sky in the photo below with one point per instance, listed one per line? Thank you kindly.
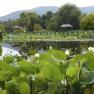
(8, 6)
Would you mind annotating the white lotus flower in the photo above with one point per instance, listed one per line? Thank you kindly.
(67, 52)
(91, 49)
(50, 47)
(64, 82)
(33, 77)
(37, 55)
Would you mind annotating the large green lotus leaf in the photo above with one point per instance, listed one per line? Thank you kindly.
(51, 72)
(58, 54)
(88, 79)
(90, 61)
(47, 58)
(8, 59)
(72, 71)
(3, 92)
(73, 74)
(21, 77)
(24, 88)
(5, 75)
(78, 60)
(7, 67)
(27, 67)
(12, 87)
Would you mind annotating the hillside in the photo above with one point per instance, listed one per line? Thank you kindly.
(41, 11)
(38, 10)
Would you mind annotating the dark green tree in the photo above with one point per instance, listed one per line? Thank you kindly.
(69, 14)
(46, 18)
(28, 20)
(87, 22)
(2, 28)
(52, 23)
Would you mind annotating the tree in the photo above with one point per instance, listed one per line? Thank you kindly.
(27, 20)
(9, 25)
(87, 22)
(37, 27)
(69, 14)
(46, 18)
(24, 20)
(2, 28)
(34, 19)
(52, 23)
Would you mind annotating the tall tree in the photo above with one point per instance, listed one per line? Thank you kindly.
(46, 18)
(52, 23)
(69, 14)
(27, 20)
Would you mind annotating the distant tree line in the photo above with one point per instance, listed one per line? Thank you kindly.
(67, 14)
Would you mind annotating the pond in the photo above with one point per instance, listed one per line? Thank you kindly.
(9, 50)
(29, 48)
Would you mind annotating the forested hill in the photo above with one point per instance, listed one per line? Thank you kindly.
(38, 10)
(41, 11)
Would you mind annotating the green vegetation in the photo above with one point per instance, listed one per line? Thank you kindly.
(52, 72)
(67, 14)
(87, 22)
(49, 36)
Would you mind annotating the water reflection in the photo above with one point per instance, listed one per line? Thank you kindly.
(8, 50)
(30, 48)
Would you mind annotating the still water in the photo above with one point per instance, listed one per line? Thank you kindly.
(41, 46)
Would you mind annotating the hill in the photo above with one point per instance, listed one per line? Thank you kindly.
(38, 10)
(41, 11)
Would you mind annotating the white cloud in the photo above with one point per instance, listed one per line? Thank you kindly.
(8, 6)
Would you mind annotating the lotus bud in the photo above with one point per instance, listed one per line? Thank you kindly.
(64, 82)
(91, 49)
(67, 52)
(50, 47)
(37, 55)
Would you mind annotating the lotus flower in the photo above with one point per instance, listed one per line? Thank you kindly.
(37, 55)
(67, 52)
(91, 49)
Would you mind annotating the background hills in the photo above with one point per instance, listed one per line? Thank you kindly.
(41, 11)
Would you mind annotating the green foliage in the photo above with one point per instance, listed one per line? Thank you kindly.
(69, 14)
(4, 76)
(87, 22)
(52, 23)
(28, 21)
(37, 27)
(45, 19)
(3, 92)
(2, 28)
(44, 35)
(27, 67)
(24, 88)
(12, 87)
(51, 73)
(8, 59)
(0, 50)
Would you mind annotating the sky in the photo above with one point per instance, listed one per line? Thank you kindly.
(9, 6)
